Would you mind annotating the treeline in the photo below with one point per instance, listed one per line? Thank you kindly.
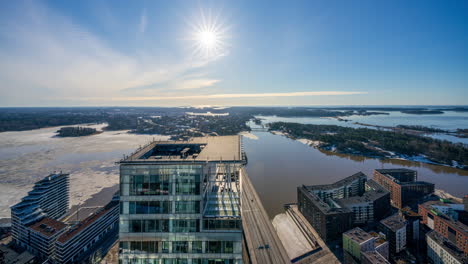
(371, 142)
(75, 131)
(29, 121)
(423, 128)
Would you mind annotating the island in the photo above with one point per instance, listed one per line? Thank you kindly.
(377, 143)
(76, 131)
(422, 112)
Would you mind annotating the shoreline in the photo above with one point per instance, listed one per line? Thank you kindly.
(391, 155)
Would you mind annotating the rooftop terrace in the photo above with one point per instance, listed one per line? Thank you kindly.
(358, 235)
(220, 148)
(394, 222)
(374, 257)
(48, 226)
(337, 184)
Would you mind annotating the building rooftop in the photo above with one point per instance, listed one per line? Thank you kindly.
(358, 235)
(448, 246)
(379, 239)
(218, 148)
(48, 226)
(400, 175)
(455, 224)
(407, 211)
(337, 184)
(368, 196)
(394, 222)
(396, 170)
(374, 257)
(324, 206)
(70, 233)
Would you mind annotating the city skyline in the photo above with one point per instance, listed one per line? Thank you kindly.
(233, 53)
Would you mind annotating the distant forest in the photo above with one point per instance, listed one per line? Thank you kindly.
(377, 143)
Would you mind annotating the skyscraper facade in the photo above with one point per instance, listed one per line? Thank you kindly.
(180, 202)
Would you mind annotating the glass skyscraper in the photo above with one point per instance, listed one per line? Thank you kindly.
(180, 202)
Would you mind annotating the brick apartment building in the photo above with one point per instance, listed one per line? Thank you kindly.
(403, 186)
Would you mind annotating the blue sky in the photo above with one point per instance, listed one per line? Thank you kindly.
(147, 53)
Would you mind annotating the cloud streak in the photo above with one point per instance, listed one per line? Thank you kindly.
(143, 21)
(233, 95)
(45, 55)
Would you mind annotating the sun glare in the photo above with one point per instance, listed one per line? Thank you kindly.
(208, 37)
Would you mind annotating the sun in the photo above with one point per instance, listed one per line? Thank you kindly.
(208, 36)
(207, 39)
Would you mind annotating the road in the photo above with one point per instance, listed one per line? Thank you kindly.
(263, 243)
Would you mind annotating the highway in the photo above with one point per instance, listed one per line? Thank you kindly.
(263, 243)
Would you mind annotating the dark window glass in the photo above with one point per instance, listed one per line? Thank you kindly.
(228, 247)
(214, 247)
(135, 226)
(165, 247)
(180, 247)
(141, 207)
(197, 247)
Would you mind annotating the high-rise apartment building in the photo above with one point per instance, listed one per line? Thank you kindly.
(403, 186)
(180, 202)
(394, 228)
(48, 198)
(335, 208)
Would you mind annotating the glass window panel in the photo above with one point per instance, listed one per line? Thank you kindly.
(197, 247)
(214, 247)
(180, 247)
(228, 247)
(165, 247)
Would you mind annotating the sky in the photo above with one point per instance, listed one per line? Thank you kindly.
(180, 53)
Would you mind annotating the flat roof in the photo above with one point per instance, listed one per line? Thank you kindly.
(394, 222)
(322, 205)
(48, 226)
(455, 224)
(358, 235)
(369, 196)
(374, 257)
(74, 230)
(212, 148)
(384, 171)
(337, 184)
(448, 246)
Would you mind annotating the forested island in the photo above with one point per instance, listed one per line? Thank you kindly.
(377, 143)
(422, 112)
(422, 129)
(76, 131)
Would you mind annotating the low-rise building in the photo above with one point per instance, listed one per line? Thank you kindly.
(440, 250)
(78, 241)
(394, 228)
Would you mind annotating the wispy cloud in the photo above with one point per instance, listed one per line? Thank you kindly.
(47, 55)
(143, 21)
(232, 95)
